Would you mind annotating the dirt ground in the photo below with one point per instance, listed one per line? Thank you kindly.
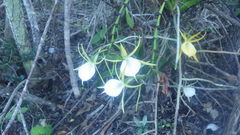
(214, 110)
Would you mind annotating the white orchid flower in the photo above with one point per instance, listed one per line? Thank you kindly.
(113, 87)
(130, 66)
(86, 71)
(189, 91)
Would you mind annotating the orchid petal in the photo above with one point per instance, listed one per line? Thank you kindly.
(189, 91)
(188, 49)
(198, 39)
(113, 87)
(130, 67)
(86, 71)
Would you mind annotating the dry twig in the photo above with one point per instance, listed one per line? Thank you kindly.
(67, 5)
(24, 123)
(33, 21)
(180, 73)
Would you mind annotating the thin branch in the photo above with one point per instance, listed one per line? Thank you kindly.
(156, 106)
(73, 79)
(33, 21)
(24, 123)
(10, 99)
(219, 52)
(180, 75)
(42, 40)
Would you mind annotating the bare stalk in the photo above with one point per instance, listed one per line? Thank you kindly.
(73, 79)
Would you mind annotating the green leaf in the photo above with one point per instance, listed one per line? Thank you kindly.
(188, 4)
(171, 4)
(139, 131)
(237, 11)
(102, 32)
(123, 51)
(96, 38)
(99, 35)
(24, 109)
(40, 130)
(129, 19)
(9, 114)
(137, 121)
(114, 56)
(144, 120)
(232, 3)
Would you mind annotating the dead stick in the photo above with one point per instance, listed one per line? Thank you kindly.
(67, 5)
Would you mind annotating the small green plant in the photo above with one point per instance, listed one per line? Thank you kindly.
(141, 125)
(9, 114)
(183, 4)
(235, 3)
(99, 36)
(42, 129)
(165, 124)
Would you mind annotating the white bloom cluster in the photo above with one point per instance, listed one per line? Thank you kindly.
(113, 87)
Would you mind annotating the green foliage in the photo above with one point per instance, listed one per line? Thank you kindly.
(99, 36)
(234, 3)
(41, 130)
(10, 61)
(141, 125)
(129, 19)
(9, 114)
(183, 4)
(165, 124)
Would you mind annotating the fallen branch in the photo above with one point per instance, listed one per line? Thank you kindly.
(67, 5)
(33, 21)
(179, 74)
(4, 92)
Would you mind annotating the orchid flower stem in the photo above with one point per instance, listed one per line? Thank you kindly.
(135, 86)
(100, 75)
(156, 32)
(109, 70)
(114, 29)
(139, 94)
(114, 61)
(119, 77)
(99, 61)
(122, 101)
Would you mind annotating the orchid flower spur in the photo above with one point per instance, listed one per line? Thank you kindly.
(188, 48)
